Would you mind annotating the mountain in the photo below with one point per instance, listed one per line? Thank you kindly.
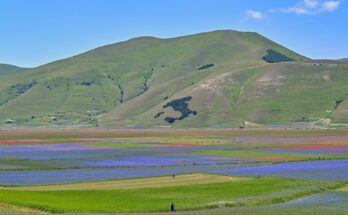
(6, 69)
(220, 78)
(344, 59)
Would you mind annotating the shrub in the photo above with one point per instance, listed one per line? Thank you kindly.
(19, 89)
(275, 57)
(158, 114)
(206, 66)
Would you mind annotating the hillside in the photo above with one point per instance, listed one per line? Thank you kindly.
(219, 78)
(6, 69)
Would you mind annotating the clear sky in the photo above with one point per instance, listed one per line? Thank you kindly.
(39, 31)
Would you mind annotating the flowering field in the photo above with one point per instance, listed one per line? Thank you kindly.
(316, 160)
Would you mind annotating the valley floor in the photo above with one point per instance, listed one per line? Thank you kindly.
(212, 171)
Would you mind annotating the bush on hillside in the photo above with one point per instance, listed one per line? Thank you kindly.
(158, 114)
(206, 66)
(180, 105)
(275, 57)
(19, 89)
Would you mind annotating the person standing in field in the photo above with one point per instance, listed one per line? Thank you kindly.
(173, 207)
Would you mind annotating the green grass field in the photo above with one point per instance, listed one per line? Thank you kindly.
(258, 191)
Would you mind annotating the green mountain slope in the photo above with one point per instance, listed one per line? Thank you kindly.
(216, 78)
(6, 69)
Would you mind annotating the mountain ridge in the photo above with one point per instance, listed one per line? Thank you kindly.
(230, 77)
(7, 69)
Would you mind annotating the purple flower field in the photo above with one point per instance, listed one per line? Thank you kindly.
(308, 151)
(337, 199)
(84, 156)
(164, 160)
(46, 148)
(323, 170)
(289, 139)
(77, 175)
(61, 151)
(75, 162)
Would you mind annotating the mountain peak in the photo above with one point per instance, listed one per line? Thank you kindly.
(219, 78)
(144, 38)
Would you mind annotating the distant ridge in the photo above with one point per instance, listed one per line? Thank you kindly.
(6, 69)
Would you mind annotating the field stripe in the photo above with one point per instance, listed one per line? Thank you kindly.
(163, 181)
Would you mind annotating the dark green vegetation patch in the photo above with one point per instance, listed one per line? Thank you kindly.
(158, 114)
(275, 57)
(180, 105)
(206, 66)
(19, 89)
(16, 90)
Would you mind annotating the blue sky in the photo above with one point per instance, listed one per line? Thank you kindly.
(39, 31)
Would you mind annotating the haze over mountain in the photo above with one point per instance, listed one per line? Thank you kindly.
(220, 78)
(6, 69)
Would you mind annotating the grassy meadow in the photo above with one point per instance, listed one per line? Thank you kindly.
(154, 199)
(130, 171)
